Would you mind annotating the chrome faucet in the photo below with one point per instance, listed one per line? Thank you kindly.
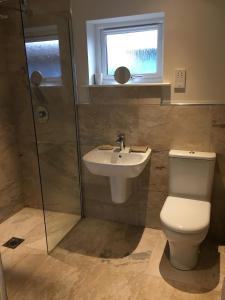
(121, 141)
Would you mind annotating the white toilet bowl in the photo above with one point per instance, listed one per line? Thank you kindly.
(185, 223)
(184, 248)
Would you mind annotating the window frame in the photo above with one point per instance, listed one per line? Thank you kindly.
(143, 77)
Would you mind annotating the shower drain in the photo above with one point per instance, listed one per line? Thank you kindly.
(13, 242)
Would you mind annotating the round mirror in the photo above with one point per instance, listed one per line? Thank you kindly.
(122, 75)
(36, 78)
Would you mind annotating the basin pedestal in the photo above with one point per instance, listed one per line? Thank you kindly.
(120, 189)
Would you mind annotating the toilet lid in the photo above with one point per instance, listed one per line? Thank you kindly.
(185, 215)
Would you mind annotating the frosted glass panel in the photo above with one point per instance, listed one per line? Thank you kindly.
(44, 56)
(135, 50)
(48, 50)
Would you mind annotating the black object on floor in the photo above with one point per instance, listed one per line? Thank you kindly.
(13, 242)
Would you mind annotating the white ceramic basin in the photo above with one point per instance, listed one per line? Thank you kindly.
(119, 166)
(116, 163)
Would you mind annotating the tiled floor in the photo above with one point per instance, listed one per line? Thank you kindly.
(28, 223)
(101, 260)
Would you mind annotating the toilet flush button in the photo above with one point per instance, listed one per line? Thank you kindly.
(192, 152)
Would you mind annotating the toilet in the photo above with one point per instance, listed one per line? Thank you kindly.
(185, 215)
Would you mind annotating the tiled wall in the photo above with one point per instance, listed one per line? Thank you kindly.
(56, 138)
(20, 185)
(58, 152)
(22, 110)
(162, 127)
(111, 111)
(11, 199)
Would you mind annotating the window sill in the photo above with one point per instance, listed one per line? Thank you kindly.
(154, 84)
(50, 85)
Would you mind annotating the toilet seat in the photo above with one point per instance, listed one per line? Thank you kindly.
(185, 215)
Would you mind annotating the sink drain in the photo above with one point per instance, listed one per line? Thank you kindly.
(13, 242)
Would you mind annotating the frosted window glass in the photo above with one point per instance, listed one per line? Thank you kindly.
(44, 56)
(135, 50)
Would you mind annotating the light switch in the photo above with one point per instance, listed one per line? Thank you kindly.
(180, 79)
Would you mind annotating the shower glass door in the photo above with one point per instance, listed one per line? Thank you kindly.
(48, 50)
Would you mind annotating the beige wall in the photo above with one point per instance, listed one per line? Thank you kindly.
(20, 183)
(19, 174)
(11, 199)
(22, 112)
(58, 152)
(56, 138)
(114, 110)
(194, 40)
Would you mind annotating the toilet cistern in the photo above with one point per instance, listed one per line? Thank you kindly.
(121, 141)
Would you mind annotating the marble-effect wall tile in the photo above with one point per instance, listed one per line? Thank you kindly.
(56, 139)
(10, 180)
(199, 128)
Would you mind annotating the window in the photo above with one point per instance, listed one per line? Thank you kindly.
(43, 53)
(44, 56)
(135, 42)
(134, 48)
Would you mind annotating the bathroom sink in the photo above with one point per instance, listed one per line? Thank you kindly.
(119, 166)
(116, 163)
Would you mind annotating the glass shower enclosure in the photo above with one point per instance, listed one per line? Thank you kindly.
(47, 39)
